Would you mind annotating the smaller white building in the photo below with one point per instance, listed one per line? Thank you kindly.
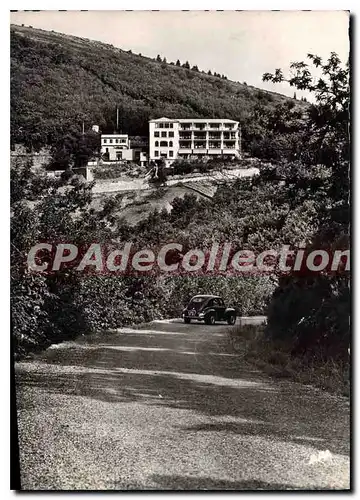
(114, 146)
(117, 147)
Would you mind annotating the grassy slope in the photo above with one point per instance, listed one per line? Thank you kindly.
(57, 81)
(275, 359)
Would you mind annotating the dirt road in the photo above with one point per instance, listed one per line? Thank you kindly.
(171, 406)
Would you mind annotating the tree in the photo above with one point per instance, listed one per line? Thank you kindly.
(74, 150)
(178, 63)
(314, 312)
(158, 58)
(294, 95)
(209, 72)
(186, 65)
(161, 171)
(195, 68)
(164, 60)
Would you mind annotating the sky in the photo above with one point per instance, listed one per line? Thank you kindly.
(241, 45)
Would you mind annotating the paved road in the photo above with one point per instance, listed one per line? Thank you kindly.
(143, 183)
(171, 406)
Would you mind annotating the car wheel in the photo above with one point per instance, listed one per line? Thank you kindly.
(210, 319)
(187, 320)
(231, 319)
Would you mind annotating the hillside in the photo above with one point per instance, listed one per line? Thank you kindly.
(58, 81)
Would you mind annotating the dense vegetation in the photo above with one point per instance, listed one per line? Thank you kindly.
(49, 308)
(313, 313)
(58, 82)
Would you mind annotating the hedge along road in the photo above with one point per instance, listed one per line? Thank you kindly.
(172, 406)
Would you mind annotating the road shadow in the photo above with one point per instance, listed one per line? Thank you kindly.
(179, 370)
(189, 483)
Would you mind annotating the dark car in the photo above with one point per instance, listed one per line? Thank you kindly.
(208, 308)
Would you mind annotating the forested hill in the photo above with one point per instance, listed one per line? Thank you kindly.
(58, 81)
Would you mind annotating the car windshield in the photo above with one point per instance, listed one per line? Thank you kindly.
(197, 302)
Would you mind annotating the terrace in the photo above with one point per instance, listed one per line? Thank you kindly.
(185, 144)
(229, 136)
(185, 136)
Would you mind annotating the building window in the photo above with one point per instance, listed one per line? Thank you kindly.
(156, 134)
(123, 140)
(161, 125)
(156, 144)
(106, 150)
(163, 134)
(156, 153)
(104, 141)
(167, 125)
(110, 140)
(171, 153)
(171, 144)
(171, 125)
(171, 134)
(163, 144)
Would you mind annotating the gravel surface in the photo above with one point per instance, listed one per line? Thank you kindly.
(171, 407)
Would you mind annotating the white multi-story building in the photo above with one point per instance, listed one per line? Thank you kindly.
(193, 137)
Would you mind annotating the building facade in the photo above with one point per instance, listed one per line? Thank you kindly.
(113, 146)
(193, 138)
(118, 147)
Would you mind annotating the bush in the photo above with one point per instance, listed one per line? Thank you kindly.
(275, 359)
(182, 167)
(110, 171)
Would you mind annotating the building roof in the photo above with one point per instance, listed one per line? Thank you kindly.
(193, 120)
(114, 135)
(206, 297)
(164, 119)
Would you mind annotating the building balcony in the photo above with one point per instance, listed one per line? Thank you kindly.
(229, 151)
(185, 137)
(184, 151)
(185, 144)
(206, 127)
